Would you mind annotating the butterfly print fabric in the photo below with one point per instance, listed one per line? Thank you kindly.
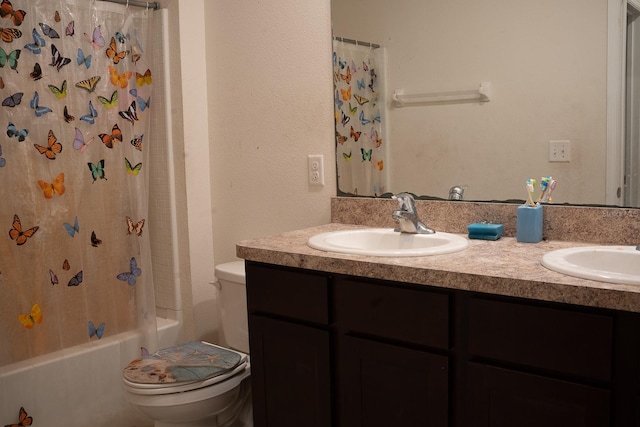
(359, 109)
(76, 102)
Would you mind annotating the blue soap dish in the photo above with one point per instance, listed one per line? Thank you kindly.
(484, 231)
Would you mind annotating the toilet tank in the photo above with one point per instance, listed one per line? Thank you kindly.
(233, 304)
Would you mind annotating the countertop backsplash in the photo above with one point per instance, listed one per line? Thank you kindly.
(597, 225)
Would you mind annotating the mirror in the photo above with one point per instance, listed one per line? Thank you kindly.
(546, 62)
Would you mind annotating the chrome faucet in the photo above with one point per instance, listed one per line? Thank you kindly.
(407, 216)
(457, 192)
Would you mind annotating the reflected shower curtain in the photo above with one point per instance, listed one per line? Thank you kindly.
(359, 114)
(75, 85)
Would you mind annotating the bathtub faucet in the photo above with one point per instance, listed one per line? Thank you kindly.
(407, 216)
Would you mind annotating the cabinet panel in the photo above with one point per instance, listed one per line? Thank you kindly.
(299, 295)
(503, 398)
(411, 315)
(568, 341)
(381, 385)
(290, 374)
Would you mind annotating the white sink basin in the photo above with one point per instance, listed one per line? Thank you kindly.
(386, 242)
(613, 264)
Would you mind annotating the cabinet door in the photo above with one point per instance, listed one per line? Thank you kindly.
(290, 374)
(503, 398)
(385, 385)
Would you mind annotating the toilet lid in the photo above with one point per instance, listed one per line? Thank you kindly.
(194, 361)
(222, 383)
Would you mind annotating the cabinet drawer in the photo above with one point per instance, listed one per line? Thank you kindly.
(294, 294)
(410, 315)
(567, 341)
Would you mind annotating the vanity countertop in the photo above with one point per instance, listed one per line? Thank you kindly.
(502, 267)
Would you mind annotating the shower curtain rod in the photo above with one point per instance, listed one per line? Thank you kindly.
(357, 42)
(148, 4)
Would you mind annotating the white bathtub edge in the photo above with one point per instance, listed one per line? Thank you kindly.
(85, 380)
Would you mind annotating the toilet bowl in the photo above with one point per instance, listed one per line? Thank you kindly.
(199, 384)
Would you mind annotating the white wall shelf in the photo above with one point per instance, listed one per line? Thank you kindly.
(402, 99)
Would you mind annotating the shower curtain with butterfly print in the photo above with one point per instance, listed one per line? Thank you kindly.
(359, 114)
(75, 85)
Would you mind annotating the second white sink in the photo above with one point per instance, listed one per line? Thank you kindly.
(386, 242)
(613, 264)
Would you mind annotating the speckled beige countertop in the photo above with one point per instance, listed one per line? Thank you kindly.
(503, 267)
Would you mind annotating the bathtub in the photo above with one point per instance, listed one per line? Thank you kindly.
(79, 386)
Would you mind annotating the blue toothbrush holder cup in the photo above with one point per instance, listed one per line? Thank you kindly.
(529, 224)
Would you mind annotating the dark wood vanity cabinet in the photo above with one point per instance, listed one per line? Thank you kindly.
(334, 350)
(392, 367)
(380, 384)
(499, 397)
(290, 343)
(533, 365)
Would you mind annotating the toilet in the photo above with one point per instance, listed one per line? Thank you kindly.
(198, 384)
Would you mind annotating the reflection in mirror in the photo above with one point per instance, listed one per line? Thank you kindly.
(359, 101)
(547, 65)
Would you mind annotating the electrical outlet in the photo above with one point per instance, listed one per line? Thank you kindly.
(316, 169)
(560, 151)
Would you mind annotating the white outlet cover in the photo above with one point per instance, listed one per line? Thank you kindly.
(560, 151)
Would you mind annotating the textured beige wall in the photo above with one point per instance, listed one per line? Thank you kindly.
(252, 101)
(270, 105)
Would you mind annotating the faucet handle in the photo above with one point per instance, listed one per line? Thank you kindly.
(406, 201)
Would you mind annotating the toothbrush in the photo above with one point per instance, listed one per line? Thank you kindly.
(531, 188)
(544, 185)
(552, 186)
